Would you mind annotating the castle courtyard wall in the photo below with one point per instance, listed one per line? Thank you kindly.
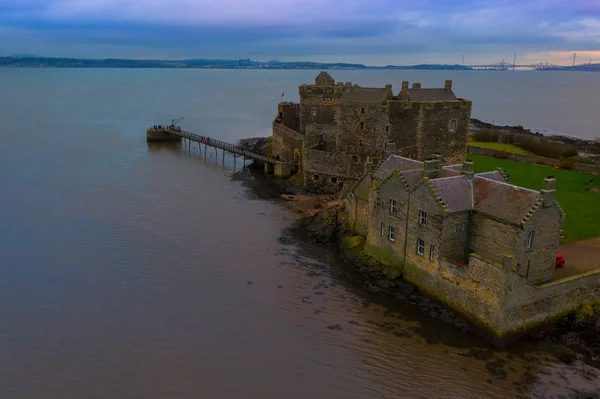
(493, 239)
(287, 143)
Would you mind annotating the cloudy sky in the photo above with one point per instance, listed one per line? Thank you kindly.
(374, 32)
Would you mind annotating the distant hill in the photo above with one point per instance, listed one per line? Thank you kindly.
(29, 61)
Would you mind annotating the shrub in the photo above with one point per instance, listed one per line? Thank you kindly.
(570, 153)
(487, 135)
(501, 155)
(566, 164)
(544, 146)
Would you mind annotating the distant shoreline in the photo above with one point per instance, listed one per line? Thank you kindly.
(55, 62)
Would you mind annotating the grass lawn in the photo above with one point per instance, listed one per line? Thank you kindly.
(582, 208)
(501, 147)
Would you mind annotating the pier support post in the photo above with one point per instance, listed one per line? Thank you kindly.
(223, 157)
(204, 150)
(283, 169)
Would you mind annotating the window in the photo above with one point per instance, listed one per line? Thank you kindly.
(316, 177)
(393, 206)
(354, 158)
(431, 251)
(530, 239)
(382, 229)
(362, 125)
(382, 204)
(360, 143)
(314, 113)
(334, 179)
(464, 226)
(456, 228)
(420, 247)
(392, 233)
(422, 217)
(375, 160)
(362, 110)
(452, 125)
(387, 129)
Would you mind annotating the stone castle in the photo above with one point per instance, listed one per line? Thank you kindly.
(338, 128)
(481, 245)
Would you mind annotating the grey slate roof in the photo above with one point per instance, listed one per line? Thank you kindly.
(495, 175)
(364, 95)
(456, 192)
(431, 95)
(395, 162)
(502, 200)
(413, 176)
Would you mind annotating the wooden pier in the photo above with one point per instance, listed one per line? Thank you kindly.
(170, 134)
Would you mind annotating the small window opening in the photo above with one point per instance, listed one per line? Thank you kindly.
(354, 158)
(362, 110)
(316, 177)
(431, 251)
(382, 229)
(392, 233)
(420, 247)
(422, 217)
(530, 239)
(362, 125)
(334, 179)
(452, 125)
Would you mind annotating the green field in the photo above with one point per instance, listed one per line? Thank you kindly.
(582, 207)
(501, 147)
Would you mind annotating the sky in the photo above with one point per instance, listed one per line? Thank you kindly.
(372, 32)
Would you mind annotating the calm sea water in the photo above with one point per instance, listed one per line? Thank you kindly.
(130, 270)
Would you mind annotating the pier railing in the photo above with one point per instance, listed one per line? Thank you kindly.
(232, 148)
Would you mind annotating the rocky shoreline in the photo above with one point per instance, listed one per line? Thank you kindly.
(591, 147)
(322, 221)
(328, 226)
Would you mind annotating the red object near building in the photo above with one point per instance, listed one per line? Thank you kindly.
(560, 261)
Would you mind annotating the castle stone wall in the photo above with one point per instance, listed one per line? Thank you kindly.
(537, 263)
(326, 171)
(435, 135)
(362, 132)
(403, 119)
(528, 306)
(287, 144)
(455, 237)
(493, 239)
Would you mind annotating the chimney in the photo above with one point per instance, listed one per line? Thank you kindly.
(388, 91)
(432, 168)
(416, 85)
(448, 85)
(405, 85)
(468, 169)
(548, 193)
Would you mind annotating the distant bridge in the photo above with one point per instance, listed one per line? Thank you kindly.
(506, 66)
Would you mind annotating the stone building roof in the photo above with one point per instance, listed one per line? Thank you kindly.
(502, 200)
(395, 162)
(494, 175)
(431, 95)
(456, 193)
(364, 95)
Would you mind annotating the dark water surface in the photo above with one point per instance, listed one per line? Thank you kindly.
(131, 270)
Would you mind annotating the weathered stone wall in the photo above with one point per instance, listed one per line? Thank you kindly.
(577, 166)
(528, 306)
(476, 291)
(493, 239)
(382, 217)
(455, 237)
(537, 263)
(287, 144)
(422, 198)
(362, 132)
(434, 130)
(318, 104)
(403, 117)
(326, 171)
(288, 113)
(321, 137)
